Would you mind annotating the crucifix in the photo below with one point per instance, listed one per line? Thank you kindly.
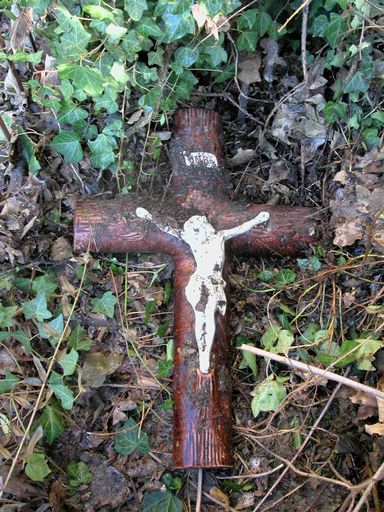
(199, 227)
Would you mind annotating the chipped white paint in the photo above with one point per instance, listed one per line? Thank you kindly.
(200, 158)
(205, 289)
(142, 213)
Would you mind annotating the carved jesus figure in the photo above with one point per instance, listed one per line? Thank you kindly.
(205, 289)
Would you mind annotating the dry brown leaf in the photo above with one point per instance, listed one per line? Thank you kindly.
(272, 58)
(367, 405)
(222, 22)
(348, 232)
(199, 14)
(147, 382)
(135, 116)
(249, 69)
(20, 28)
(376, 428)
(242, 157)
(341, 177)
(349, 298)
(118, 416)
(61, 249)
(215, 492)
(372, 161)
(212, 28)
(97, 365)
(66, 286)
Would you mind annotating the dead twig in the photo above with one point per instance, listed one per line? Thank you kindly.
(251, 475)
(295, 13)
(324, 374)
(379, 475)
(304, 30)
(199, 489)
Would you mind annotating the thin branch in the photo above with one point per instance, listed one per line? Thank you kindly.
(304, 30)
(324, 374)
(379, 475)
(304, 4)
(251, 475)
(199, 489)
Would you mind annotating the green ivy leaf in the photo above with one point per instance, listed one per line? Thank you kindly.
(149, 28)
(73, 42)
(20, 56)
(357, 83)
(320, 24)
(44, 284)
(69, 362)
(285, 276)
(118, 72)
(161, 501)
(107, 101)
(77, 339)
(131, 440)
(114, 129)
(105, 304)
(79, 474)
(371, 137)
(98, 12)
(67, 143)
(67, 90)
(333, 111)
(102, 148)
(247, 41)
(115, 32)
(51, 421)
(247, 20)
(135, 8)
(6, 315)
(29, 153)
(267, 396)
(61, 391)
(52, 330)
(186, 56)
(37, 308)
(164, 368)
(90, 80)
(177, 26)
(335, 29)
(262, 23)
(71, 113)
(8, 382)
(22, 338)
(37, 467)
(249, 359)
(217, 55)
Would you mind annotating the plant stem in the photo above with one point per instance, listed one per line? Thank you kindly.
(324, 374)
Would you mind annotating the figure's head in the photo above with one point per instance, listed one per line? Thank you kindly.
(197, 228)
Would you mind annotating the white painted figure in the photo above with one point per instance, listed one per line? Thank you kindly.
(205, 290)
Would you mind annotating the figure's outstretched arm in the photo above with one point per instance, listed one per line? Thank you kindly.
(246, 226)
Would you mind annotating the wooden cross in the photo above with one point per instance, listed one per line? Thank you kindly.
(199, 227)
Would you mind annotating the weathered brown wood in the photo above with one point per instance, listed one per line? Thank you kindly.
(202, 403)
